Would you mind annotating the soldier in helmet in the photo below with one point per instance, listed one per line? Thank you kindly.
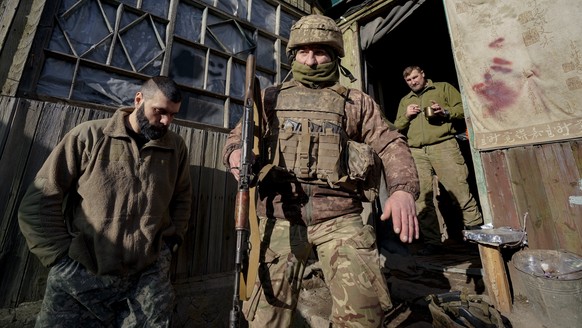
(321, 144)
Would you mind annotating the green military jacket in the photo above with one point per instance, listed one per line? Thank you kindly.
(422, 132)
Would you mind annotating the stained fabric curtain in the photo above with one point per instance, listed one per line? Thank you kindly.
(373, 31)
(520, 63)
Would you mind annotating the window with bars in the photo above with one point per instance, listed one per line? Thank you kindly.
(100, 51)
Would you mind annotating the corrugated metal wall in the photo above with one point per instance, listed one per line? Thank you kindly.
(30, 129)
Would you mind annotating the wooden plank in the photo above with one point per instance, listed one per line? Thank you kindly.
(530, 196)
(7, 13)
(480, 180)
(16, 49)
(216, 206)
(499, 189)
(352, 63)
(200, 259)
(576, 146)
(15, 254)
(495, 278)
(561, 180)
(181, 261)
(221, 180)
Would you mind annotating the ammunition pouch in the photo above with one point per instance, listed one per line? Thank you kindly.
(364, 170)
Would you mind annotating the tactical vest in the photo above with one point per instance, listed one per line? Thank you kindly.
(306, 135)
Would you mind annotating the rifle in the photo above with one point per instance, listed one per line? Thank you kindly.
(245, 200)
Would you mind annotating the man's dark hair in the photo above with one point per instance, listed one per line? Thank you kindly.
(166, 85)
(409, 70)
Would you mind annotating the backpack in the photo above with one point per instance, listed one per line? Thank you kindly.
(456, 309)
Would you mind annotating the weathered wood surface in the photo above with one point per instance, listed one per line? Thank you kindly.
(496, 278)
(25, 16)
(536, 183)
(29, 130)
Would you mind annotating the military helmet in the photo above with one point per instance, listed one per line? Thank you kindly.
(316, 29)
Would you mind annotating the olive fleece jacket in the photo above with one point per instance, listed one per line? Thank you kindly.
(363, 122)
(106, 203)
(419, 130)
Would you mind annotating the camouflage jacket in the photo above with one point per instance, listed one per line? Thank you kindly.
(300, 202)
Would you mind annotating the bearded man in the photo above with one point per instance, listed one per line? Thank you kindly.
(105, 212)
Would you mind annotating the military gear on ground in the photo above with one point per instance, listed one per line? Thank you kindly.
(457, 310)
(316, 29)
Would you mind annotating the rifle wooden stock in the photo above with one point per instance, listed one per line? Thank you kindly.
(242, 210)
(244, 203)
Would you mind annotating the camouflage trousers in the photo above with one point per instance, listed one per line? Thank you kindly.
(348, 256)
(75, 297)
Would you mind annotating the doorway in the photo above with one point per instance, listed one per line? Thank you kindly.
(422, 40)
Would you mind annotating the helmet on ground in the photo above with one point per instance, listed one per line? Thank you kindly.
(316, 29)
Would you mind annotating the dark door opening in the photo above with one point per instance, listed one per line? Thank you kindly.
(422, 40)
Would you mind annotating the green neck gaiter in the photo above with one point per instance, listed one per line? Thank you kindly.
(321, 75)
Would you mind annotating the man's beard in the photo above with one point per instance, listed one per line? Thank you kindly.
(151, 132)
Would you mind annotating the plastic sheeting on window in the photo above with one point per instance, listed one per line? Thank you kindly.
(142, 43)
(230, 37)
(263, 15)
(82, 26)
(187, 65)
(159, 8)
(203, 109)
(235, 112)
(236, 8)
(266, 53)
(285, 23)
(56, 78)
(106, 88)
(188, 22)
(216, 74)
(237, 80)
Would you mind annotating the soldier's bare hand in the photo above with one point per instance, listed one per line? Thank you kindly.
(412, 111)
(234, 162)
(401, 208)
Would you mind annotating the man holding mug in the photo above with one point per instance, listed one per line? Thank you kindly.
(428, 116)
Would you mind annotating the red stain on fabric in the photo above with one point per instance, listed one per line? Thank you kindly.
(501, 69)
(501, 61)
(497, 94)
(497, 43)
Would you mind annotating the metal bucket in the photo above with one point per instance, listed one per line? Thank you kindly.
(553, 281)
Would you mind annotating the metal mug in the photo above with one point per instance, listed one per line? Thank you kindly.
(428, 112)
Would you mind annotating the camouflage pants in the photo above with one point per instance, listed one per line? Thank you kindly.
(349, 259)
(75, 297)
